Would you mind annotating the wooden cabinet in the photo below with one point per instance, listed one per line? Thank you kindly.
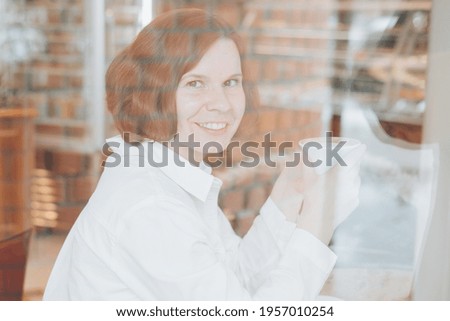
(16, 165)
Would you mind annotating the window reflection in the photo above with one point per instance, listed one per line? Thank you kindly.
(355, 67)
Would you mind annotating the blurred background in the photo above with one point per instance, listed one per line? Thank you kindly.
(359, 68)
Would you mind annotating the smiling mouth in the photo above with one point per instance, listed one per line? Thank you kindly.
(213, 125)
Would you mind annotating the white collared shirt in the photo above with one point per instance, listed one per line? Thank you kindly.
(153, 232)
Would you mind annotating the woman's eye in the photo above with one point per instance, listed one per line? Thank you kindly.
(195, 84)
(231, 83)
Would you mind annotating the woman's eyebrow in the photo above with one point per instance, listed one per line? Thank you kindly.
(235, 75)
(198, 76)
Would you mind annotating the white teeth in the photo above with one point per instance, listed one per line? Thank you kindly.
(214, 126)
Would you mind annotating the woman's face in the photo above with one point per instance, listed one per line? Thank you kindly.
(210, 99)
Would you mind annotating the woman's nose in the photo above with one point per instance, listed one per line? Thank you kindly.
(218, 100)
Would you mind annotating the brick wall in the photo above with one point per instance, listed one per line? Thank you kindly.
(290, 69)
(55, 81)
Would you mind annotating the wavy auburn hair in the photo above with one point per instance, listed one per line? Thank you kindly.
(142, 79)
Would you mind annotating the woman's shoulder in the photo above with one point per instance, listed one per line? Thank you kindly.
(120, 192)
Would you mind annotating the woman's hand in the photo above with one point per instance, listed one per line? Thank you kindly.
(323, 201)
(288, 190)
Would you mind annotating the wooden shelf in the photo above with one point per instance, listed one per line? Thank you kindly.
(18, 113)
(357, 5)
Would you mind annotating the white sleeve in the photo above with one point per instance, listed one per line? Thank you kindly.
(163, 253)
(275, 244)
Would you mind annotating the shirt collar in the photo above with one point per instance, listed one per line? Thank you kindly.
(195, 180)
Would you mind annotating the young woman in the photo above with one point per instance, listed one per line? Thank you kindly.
(152, 229)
